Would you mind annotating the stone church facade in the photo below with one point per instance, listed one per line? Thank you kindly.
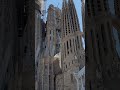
(63, 53)
(72, 48)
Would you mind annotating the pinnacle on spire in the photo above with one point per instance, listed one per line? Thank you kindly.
(70, 1)
(64, 3)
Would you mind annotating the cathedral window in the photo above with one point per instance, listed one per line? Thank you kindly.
(66, 66)
(74, 44)
(65, 49)
(76, 28)
(70, 45)
(67, 45)
(69, 30)
(78, 42)
(66, 30)
(68, 52)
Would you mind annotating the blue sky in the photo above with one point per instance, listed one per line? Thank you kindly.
(58, 3)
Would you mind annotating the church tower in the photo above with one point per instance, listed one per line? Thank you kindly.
(53, 38)
(72, 49)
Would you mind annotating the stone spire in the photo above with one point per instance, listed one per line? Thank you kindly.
(64, 3)
(73, 13)
(70, 1)
(71, 44)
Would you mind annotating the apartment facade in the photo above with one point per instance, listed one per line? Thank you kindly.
(102, 60)
(17, 61)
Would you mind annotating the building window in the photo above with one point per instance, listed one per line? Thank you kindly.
(68, 52)
(69, 30)
(74, 44)
(67, 47)
(70, 45)
(66, 30)
(78, 42)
